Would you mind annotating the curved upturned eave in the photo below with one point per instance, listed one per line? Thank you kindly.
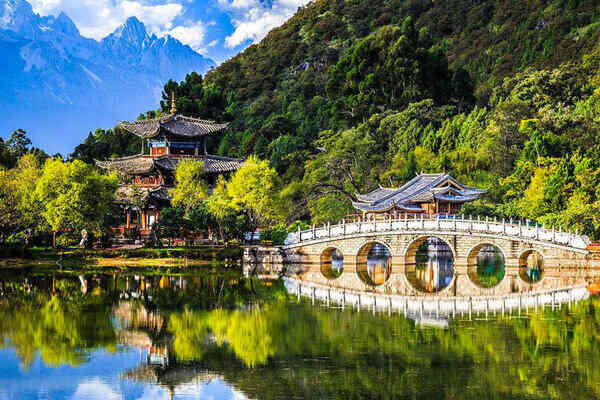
(176, 125)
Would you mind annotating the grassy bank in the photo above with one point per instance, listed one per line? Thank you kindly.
(177, 256)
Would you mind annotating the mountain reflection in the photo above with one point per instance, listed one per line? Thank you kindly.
(201, 325)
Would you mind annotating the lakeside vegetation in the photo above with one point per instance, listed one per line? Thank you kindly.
(346, 96)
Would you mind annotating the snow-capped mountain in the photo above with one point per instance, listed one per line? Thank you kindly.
(55, 82)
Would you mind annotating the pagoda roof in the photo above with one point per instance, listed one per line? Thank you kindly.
(421, 189)
(145, 164)
(174, 124)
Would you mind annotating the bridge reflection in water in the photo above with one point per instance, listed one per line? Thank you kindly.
(434, 265)
(332, 263)
(376, 267)
(531, 267)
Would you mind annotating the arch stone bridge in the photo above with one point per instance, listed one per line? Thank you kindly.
(565, 258)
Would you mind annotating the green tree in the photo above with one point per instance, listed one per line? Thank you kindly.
(18, 143)
(19, 209)
(171, 224)
(10, 215)
(74, 196)
(253, 191)
(190, 188)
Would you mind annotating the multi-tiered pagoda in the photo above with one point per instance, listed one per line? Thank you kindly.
(147, 177)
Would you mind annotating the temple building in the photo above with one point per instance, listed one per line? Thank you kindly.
(147, 177)
(427, 194)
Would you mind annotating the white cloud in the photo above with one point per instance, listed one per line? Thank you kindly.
(98, 18)
(95, 389)
(252, 19)
(192, 34)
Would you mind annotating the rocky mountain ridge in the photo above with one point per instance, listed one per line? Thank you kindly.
(57, 82)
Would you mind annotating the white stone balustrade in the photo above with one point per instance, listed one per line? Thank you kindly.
(443, 224)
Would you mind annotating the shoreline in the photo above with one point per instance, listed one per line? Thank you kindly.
(130, 258)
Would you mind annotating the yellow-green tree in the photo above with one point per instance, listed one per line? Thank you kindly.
(253, 190)
(19, 209)
(190, 188)
(73, 195)
(10, 217)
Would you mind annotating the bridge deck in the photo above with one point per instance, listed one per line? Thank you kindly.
(459, 224)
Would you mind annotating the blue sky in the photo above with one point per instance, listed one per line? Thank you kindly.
(216, 28)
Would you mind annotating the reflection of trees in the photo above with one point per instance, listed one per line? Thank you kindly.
(280, 349)
(490, 266)
(64, 327)
(342, 354)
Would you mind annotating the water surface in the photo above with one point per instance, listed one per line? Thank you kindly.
(213, 334)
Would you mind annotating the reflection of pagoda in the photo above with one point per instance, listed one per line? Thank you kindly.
(436, 273)
(378, 263)
(146, 177)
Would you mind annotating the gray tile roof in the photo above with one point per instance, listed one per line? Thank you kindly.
(144, 164)
(174, 124)
(422, 188)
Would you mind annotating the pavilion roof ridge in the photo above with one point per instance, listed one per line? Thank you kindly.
(174, 124)
(421, 188)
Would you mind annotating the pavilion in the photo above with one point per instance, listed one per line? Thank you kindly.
(427, 194)
(147, 177)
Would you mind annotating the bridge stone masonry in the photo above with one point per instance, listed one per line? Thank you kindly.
(565, 258)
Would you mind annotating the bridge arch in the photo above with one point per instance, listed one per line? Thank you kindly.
(374, 263)
(531, 266)
(429, 264)
(332, 263)
(485, 265)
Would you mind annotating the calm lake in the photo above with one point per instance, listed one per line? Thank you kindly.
(210, 333)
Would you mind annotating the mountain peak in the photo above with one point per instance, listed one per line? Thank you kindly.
(134, 29)
(64, 24)
(16, 15)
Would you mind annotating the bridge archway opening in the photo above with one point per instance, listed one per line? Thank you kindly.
(531, 266)
(486, 264)
(429, 264)
(332, 263)
(374, 264)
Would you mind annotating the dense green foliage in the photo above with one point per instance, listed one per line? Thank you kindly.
(16, 146)
(53, 196)
(103, 144)
(348, 95)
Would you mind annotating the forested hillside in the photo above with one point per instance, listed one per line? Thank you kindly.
(350, 94)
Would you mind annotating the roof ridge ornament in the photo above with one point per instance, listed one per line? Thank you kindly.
(173, 107)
